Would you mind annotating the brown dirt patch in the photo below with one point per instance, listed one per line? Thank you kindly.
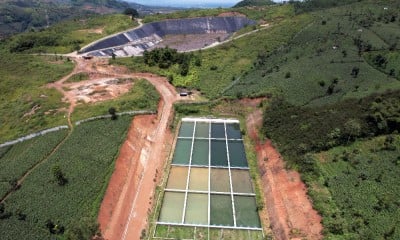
(290, 210)
(188, 42)
(98, 89)
(93, 30)
(121, 191)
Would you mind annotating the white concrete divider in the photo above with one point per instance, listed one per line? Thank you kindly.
(33, 135)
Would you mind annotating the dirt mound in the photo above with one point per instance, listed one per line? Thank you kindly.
(290, 210)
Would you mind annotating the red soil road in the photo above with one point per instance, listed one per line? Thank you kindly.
(290, 210)
(128, 199)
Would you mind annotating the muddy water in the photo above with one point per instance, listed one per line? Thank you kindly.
(197, 209)
(182, 151)
(200, 152)
(177, 178)
(172, 208)
(237, 155)
(202, 129)
(221, 210)
(246, 212)
(241, 181)
(220, 180)
(198, 179)
(186, 129)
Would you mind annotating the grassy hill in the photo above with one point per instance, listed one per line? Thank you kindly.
(19, 16)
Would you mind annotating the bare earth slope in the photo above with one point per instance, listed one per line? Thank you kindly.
(290, 210)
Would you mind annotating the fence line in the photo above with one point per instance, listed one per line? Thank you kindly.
(33, 135)
(54, 129)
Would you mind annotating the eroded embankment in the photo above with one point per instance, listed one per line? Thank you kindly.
(134, 42)
(290, 210)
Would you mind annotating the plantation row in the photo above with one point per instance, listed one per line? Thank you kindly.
(17, 159)
(61, 197)
(356, 189)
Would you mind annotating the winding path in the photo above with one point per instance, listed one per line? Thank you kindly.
(124, 210)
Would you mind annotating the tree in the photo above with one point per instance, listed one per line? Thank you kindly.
(132, 12)
(59, 175)
(352, 129)
(113, 112)
(83, 229)
(355, 71)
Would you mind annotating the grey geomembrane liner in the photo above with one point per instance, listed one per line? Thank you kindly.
(210, 178)
(146, 36)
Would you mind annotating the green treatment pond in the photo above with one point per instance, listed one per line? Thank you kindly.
(209, 183)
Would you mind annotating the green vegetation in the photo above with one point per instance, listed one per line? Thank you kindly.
(142, 96)
(69, 36)
(299, 130)
(86, 161)
(356, 189)
(78, 77)
(17, 159)
(330, 48)
(246, 3)
(26, 106)
(219, 66)
(166, 57)
(172, 232)
(31, 15)
(334, 113)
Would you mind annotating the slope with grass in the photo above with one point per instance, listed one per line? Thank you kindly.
(326, 61)
(334, 114)
(69, 36)
(86, 161)
(20, 16)
(26, 106)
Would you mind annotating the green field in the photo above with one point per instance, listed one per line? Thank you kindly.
(86, 159)
(315, 67)
(17, 159)
(26, 105)
(357, 189)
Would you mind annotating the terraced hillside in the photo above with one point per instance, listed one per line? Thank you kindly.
(135, 42)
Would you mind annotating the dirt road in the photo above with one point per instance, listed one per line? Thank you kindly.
(128, 199)
(290, 210)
